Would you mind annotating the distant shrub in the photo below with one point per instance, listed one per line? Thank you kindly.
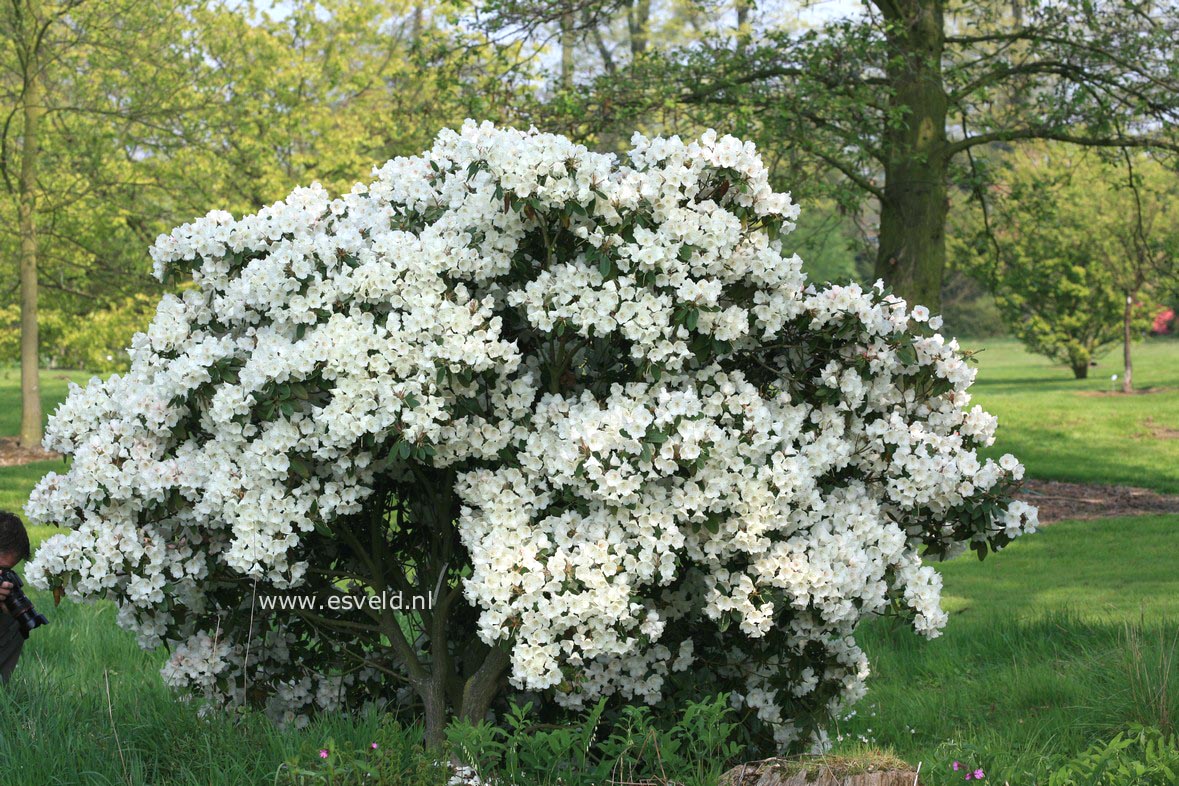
(99, 340)
(52, 325)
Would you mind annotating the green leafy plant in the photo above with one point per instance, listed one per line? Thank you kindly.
(634, 748)
(395, 758)
(1142, 756)
(95, 341)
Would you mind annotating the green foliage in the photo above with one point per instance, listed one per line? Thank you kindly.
(319, 93)
(394, 757)
(1142, 756)
(849, 104)
(325, 93)
(96, 341)
(637, 748)
(1056, 248)
(53, 326)
(825, 239)
(99, 341)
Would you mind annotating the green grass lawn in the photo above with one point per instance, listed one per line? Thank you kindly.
(1039, 658)
(1053, 644)
(87, 706)
(1068, 429)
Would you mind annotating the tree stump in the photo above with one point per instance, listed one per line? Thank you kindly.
(871, 770)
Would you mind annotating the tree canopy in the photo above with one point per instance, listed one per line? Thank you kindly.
(889, 103)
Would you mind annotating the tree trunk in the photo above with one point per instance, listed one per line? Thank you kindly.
(1128, 374)
(912, 251)
(1081, 370)
(419, 18)
(433, 695)
(567, 50)
(32, 108)
(482, 686)
(638, 20)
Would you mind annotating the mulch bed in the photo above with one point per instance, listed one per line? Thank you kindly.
(1058, 501)
(1118, 392)
(12, 454)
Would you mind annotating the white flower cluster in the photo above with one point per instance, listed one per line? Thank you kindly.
(673, 458)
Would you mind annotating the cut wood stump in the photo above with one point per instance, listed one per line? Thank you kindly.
(873, 770)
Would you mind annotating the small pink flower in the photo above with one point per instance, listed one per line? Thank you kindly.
(968, 776)
(323, 754)
(374, 746)
(954, 766)
(979, 774)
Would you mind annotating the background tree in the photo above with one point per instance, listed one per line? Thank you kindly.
(896, 98)
(1073, 255)
(25, 31)
(1144, 223)
(86, 87)
(315, 93)
(213, 104)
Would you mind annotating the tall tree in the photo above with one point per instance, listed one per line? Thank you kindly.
(315, 94)
(1144, 227)
(63, 64)
(897, 98)
(27, 33)
(147, 114)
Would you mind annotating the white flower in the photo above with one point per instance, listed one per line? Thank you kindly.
(562, 333)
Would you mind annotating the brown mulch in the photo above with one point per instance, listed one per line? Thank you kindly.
(1118, 392)
(1159, 431)
(1058, 501)
(11, 453)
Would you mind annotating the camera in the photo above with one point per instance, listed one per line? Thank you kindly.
(19, 606)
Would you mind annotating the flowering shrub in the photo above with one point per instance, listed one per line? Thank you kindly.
(1163, 322)
(589, 404)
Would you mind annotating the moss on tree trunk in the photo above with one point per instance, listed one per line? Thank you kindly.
(912, 249)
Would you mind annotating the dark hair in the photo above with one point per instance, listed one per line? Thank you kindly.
(13, 536)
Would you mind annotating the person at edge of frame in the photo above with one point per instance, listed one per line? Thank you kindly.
(14, 547)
